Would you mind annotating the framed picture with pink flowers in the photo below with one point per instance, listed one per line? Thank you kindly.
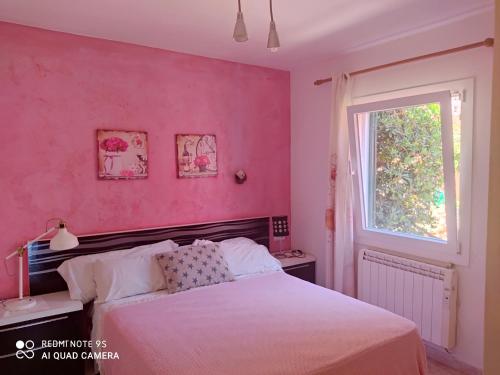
(196, 155)
(122, 155)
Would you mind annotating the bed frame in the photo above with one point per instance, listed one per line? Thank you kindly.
(43, 263)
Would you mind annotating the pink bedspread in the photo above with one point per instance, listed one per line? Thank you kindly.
(272, 324)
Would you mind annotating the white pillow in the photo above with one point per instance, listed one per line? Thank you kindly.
(79, 272)
(232, 241)
(244, 256)
(117, 278)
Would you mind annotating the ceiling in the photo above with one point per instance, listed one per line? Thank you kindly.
(309, 30)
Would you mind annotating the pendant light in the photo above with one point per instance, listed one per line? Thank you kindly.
(240, 30)
(273, 41)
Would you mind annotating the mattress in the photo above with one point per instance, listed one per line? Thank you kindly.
(269, 324)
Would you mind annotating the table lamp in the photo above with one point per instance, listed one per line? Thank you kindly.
(63, 240)
(280, 229)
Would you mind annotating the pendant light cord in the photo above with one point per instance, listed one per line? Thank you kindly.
(239, 6)
(271, 9)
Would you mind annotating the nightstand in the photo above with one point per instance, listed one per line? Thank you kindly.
(303, 268)
(54, 317)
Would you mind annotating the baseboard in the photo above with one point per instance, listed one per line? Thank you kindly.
(442, 356)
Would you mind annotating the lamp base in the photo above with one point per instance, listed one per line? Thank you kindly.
(19, 304)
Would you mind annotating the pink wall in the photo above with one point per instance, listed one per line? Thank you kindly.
(57, 89)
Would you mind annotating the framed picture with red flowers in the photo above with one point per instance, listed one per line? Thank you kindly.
(122, 155)
(196, 155)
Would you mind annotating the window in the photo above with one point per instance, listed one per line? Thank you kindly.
(407, 161)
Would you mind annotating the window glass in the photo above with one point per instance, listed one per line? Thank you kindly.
(456, 112)
(403, 176)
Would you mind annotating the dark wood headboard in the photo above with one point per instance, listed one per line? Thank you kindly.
(43, 263)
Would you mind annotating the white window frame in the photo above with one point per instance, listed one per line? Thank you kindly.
(456, 248)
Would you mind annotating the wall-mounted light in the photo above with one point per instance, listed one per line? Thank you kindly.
(240, 176)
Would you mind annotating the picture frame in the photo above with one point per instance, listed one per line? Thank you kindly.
(122, 154)
(196, 155)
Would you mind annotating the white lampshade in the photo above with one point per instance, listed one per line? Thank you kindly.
(240, 30)
(273, 41)
(63, 240)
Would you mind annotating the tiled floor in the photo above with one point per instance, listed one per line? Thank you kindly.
(436, 368)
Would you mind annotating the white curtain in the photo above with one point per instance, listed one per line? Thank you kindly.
(339, 221)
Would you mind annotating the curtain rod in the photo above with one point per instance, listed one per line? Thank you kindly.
(488, 42)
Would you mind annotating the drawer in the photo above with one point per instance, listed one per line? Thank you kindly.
(57, 327)
(35, 366)
(306, 271)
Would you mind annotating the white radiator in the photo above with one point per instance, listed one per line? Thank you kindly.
(423, 293)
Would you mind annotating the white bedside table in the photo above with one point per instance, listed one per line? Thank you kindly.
(54, 317)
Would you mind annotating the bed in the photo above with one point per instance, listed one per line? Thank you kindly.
(267, 323)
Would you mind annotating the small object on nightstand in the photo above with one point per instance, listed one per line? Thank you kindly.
(25, 337)
(290, 254)
(303, 267)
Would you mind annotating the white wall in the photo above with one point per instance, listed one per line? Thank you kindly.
(310, 141)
